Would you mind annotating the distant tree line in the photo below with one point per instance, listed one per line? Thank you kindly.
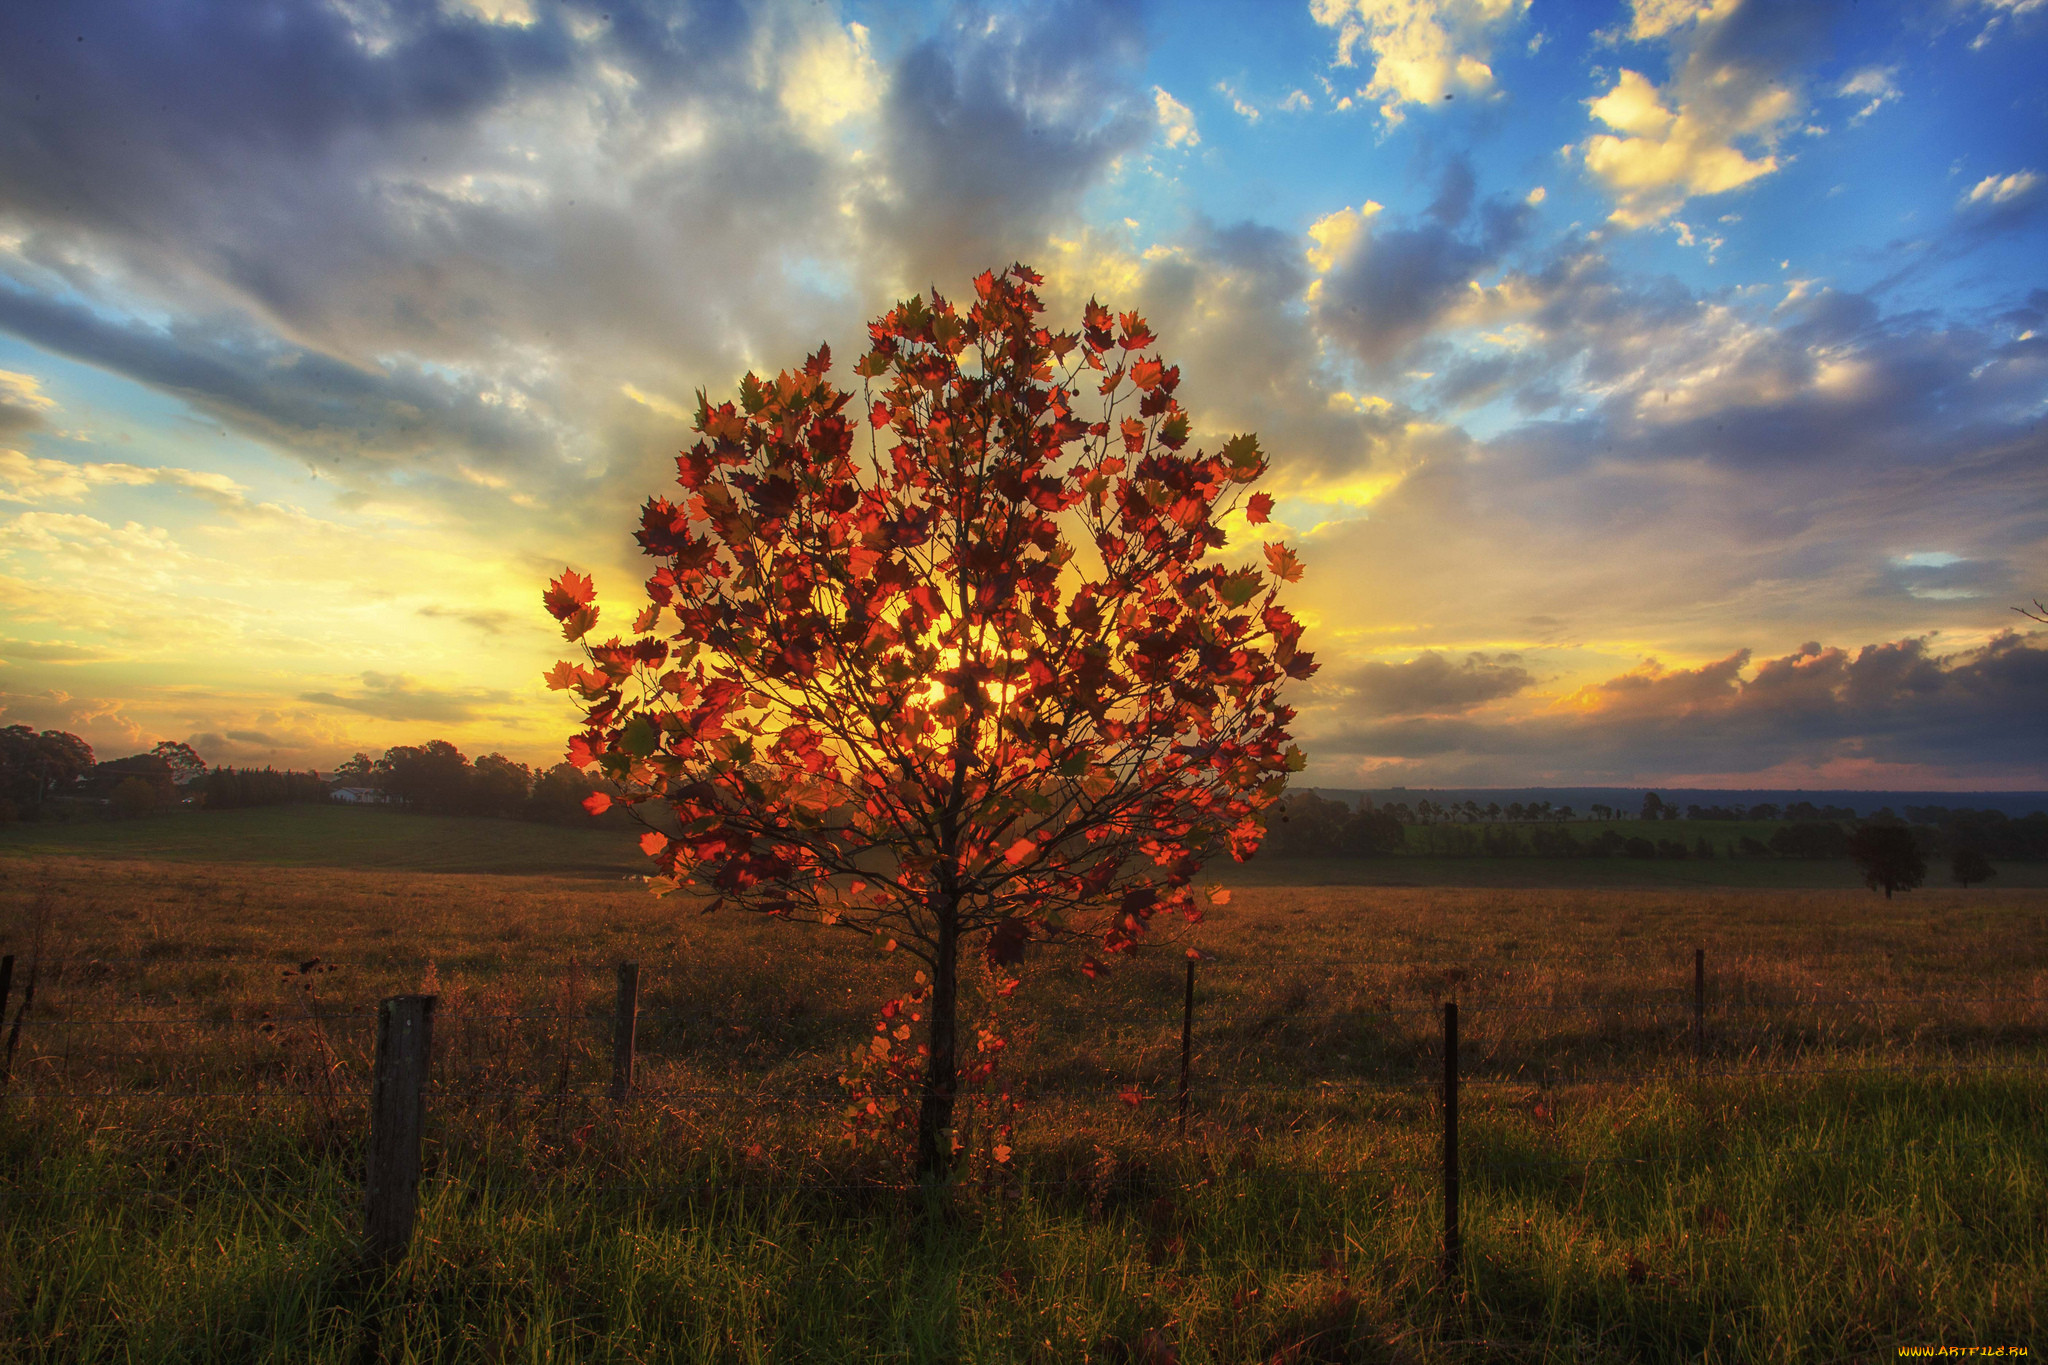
(239, 788)
(1310, 826)
(437, 777)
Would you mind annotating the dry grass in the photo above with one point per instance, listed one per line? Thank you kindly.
(1617, 1207)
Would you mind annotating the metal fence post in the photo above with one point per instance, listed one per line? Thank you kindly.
(1187, 1041)
(1452, 1245)
(625, 1020)
(398, 1112)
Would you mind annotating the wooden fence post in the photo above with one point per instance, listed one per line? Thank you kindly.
(28, 997)
(1187, 1041)
(398, 1112)
(1452, 1246)
(1699, 1008)
(6, 993)
(625, 1020)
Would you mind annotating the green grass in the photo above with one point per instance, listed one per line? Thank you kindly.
(339, 836)
(346, 837)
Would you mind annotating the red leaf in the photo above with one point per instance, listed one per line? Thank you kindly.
(565, 594)
(597, 803)
(1019, 851)
(653, 842)
(1259, 509)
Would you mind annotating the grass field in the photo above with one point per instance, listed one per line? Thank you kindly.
(355, 837)
(1862, 1165)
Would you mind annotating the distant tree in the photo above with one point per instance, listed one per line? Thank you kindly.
(432, 776)
(149, 768)
(499, 786)
(1653, 806)
(559, 796)
(36, 766)
(360, 771)
(1888, 857)
(1970, 865)
(1493, 810)
(185, 763)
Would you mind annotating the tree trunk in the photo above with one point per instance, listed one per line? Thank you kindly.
(942, 1065)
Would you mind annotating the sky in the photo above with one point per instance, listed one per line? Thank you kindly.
(1654, 391)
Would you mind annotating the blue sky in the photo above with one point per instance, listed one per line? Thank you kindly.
(1654, 390)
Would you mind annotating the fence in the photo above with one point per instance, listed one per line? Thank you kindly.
(400, 1094)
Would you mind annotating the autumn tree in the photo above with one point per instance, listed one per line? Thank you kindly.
(958, 668)
(1888, 857)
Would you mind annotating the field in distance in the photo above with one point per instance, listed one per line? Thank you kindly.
(345, 837)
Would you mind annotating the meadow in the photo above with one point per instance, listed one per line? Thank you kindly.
(1858, 1166)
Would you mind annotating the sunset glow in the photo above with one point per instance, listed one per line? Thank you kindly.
(1654, 393)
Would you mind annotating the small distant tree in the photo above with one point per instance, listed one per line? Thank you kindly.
(1888, 857)
(987, 685)
(184, 760)
(360, 771)
(1969, 865)
(1653, 806)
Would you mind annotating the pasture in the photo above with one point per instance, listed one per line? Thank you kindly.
(1859, 1165)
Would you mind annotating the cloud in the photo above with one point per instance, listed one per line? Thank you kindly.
(1898, 705)
(53, 651)
(25, 478)
(1735, 83)
(1995, 191)
(1384, 289)
(1175, 120)
(1430, 684)
(993, 130)
(397, 697)
(1876, 84)
(490, 622)
(1423, 50)
(22, 403)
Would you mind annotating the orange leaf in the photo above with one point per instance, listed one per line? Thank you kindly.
(652, 843)
(1019, 851)
(597, 803)
(1259, 509)
(565, 594)
(1286, 567)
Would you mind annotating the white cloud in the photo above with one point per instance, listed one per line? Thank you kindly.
(25, 478)
(1994, 191)
(829, 79)
(1872, 83)
(1658, 157)
(1176, 120)
(1423, 50)
(1248, 112)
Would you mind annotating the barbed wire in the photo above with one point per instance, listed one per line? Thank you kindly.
(1480, 1008)
(1148, 1089)
(1114, 1175)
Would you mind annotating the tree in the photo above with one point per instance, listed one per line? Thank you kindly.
(1653, 806)
(499, 785)
(1887, 857)
(432, 776)
(185, 763)
(34, 766)
(896, 697)
(1970, 865)
(360, 771)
